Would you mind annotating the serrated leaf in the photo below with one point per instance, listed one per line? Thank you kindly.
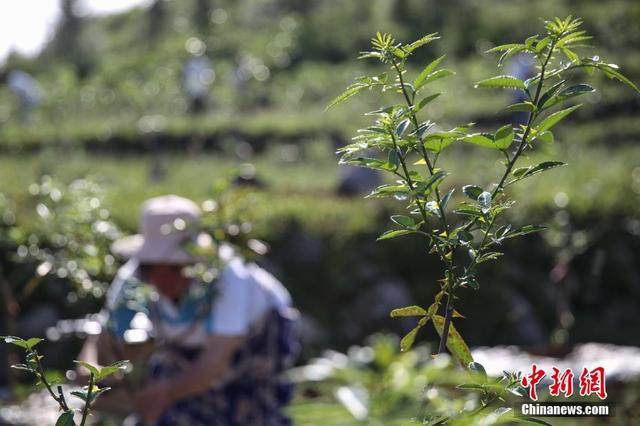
(421, 42)
(409, 311)
(555, 118)
(567, 93)
(502, 81)
(420, 79)
(504, 47)
(549, 93)
(455, 342)
(544, 166)
(610, 72)
(472, 191)
(504, 136)
(349, 92)
(394, 233)
(370, 163)
(436, 75)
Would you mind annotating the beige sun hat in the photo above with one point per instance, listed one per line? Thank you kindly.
(166, 224)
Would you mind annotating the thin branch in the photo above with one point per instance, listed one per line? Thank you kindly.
(85, 410)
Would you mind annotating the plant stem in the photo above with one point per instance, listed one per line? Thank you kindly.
(85, 410)
(45, 382)
(524, 140)
(448, 313)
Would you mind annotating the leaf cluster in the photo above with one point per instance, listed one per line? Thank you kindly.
(406, 145)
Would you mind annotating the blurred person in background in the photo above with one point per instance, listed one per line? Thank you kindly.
(214, 353)
(197, 76)
(27, 91)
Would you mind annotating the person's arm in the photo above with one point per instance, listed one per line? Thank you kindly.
(209, 367)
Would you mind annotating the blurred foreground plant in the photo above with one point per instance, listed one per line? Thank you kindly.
(406, 141)
(378, 385)
(88, 394)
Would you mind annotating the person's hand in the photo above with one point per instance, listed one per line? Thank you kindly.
(152, 401)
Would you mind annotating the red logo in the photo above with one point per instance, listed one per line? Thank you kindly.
(591, 382)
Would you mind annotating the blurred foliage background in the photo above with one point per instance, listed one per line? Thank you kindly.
(114, 126)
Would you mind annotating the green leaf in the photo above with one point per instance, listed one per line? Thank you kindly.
(394, 233)
(521, 107)
(420, 79)
(455, 342)
(389, 190)
(569, 92)
(421, 42)
(404, 221)
(93, 370)
(16, 341)
(518, 172)
(467, 209)
(546, 137)
(478, 368)
(409, 311)
(112, 369)
(471, 386)
(544, 166)
(33, 342)
(436, 75)
(425, 188)
(349, 92)
(425, 101)
(407, 341)
(436, 143)
(482, 139)
(65, 419)
(527, 229)
(555, 118)
(502, 81)
(445, 198)
(549, 93)
(370, 163)
(504, 136)
(472, 191)
(504, 47)
(610, 70)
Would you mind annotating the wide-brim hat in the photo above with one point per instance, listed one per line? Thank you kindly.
(167, 225)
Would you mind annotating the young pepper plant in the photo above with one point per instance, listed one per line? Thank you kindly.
(474, 232)
(88, 394)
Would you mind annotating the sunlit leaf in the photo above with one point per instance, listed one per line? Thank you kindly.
(502, 81)
(455, 342)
